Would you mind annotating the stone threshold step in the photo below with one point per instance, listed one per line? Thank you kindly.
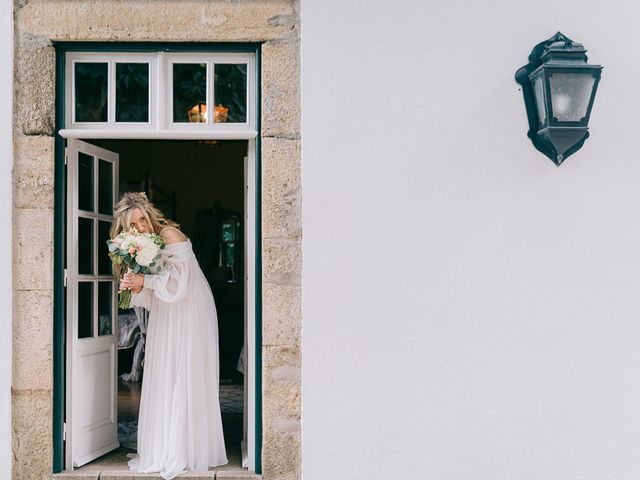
(128, 475)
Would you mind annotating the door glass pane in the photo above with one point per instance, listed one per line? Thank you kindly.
(132, 92)
(105, 187)
(85, 309)
(85, 246)
(85, 182)
(105, 290)
(104, 262)
(230, 90)
(90, 92)
(189, 92)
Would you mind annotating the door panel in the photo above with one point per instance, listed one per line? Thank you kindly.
(91, 326)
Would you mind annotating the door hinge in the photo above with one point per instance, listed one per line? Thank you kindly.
(64, 431)
(65, 277)
(66, 155)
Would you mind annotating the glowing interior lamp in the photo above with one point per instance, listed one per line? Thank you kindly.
(559, 88)
(198, 113)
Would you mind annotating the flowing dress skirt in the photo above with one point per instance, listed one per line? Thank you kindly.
(180, 424)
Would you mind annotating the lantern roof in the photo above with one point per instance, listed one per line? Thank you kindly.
(558, 49)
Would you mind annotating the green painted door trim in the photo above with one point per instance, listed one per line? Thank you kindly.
(60, 224)
(59, 261)
(258, 273)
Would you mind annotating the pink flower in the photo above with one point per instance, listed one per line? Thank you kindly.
(132, 250)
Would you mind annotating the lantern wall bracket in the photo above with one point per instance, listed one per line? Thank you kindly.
(555, 139)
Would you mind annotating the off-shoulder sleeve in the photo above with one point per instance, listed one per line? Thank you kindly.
(142, 299)
(171, 284)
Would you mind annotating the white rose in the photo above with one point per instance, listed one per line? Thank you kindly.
(145, 257)
(148, 251)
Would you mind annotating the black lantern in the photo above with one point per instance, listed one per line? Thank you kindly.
(559, 87)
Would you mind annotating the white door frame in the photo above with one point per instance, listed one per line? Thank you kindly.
(250, 268)
(249, 410)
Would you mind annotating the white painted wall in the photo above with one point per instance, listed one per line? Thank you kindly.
(6, 163)
(470, 311)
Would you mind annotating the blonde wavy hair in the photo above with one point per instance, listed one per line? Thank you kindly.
(122, 217)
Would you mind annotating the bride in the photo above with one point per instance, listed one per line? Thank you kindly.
(179, 423)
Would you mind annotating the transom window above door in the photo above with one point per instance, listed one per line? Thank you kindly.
(148, 94)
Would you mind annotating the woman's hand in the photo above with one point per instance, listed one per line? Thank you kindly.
(132, 281)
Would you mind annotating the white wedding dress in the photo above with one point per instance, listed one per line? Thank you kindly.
(179, 423)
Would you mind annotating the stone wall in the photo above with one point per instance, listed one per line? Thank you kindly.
(37, 25)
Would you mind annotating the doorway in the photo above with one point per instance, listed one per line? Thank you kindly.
(146, 91)
(201, 185)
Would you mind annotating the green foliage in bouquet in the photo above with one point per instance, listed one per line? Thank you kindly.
(138, 253)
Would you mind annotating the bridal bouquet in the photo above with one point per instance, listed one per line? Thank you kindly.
(140, 252)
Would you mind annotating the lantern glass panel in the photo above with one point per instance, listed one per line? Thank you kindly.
(570, 95)
(538, 93)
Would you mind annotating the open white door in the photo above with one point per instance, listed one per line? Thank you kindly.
(91, 319)
(248, 411)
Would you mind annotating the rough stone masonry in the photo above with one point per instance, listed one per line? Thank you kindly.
(38, 23)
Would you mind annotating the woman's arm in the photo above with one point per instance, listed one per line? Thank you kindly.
(170, 285)
(142, 299)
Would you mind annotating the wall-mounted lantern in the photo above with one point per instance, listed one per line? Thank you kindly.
(198, 113)
(559, 87)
